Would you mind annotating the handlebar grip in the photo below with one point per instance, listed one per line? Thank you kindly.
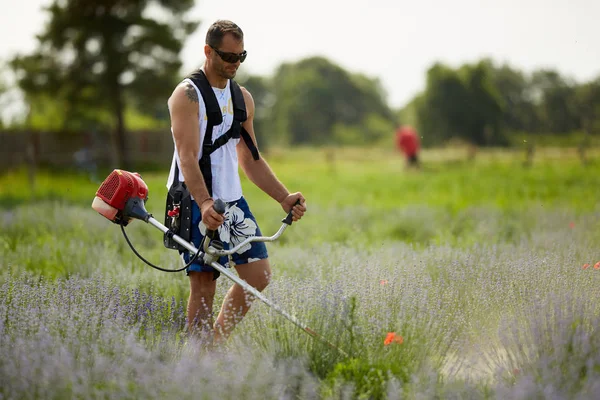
(289, 219)
(219, 207)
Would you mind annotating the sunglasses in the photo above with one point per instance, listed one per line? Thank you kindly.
(231, 57)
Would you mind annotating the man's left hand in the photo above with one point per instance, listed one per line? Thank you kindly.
(289, 203)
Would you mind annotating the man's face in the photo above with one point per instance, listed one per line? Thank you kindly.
(223, 68)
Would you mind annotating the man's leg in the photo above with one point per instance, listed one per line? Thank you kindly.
(200, 303)
(237, 302)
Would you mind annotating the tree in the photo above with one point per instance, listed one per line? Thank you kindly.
(316, 97)
(483, 124)
(461, 103)
(588, 104)
(515, 92)
(95, 55)
(3, 92)
(443, 107)
(264, 98)
(556, 103)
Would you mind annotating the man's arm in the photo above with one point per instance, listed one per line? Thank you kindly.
(184, 110)
(260, 173)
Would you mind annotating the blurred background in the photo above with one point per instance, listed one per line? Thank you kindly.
(84, 84)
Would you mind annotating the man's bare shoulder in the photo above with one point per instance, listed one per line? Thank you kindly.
(248, 99)
(184, 95)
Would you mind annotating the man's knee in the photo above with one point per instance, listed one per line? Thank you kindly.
(257, 274)
(261, 282)
(202, 285)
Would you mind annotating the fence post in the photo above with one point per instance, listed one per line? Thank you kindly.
(31, 155)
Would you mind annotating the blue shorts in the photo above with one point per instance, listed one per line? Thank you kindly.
(239, 224)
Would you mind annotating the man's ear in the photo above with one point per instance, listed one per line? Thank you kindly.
(207, 51)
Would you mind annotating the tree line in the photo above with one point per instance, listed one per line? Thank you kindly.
(111, 65)
(485, 103)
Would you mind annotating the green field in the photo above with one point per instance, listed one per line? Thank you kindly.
(478, 265)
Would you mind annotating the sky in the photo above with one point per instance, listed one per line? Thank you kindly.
(395, 41)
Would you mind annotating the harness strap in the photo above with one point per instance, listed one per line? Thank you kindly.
(215, 118)
(250, 143)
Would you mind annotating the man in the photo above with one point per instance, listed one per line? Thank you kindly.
(407, 141)
(224, 51)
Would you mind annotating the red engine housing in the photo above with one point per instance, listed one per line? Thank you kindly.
(120, 186)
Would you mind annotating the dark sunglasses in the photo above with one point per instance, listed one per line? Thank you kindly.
(231, 57)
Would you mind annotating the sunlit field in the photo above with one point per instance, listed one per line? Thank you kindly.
(467, 279)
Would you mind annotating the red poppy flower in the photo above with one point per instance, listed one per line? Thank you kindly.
(393, 338)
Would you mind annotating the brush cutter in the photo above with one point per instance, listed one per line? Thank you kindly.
(121, 199)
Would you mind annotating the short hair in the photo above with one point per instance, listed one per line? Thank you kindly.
(216, 32)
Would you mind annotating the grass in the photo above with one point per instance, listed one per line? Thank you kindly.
(375, 179)
(478, 266)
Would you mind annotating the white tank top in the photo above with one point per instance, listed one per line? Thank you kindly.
(226, 183)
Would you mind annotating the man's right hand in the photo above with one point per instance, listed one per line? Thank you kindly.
(210, 217)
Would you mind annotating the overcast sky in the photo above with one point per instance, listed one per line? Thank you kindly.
(394, 40)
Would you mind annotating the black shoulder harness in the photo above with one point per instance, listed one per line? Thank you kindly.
(213, 114)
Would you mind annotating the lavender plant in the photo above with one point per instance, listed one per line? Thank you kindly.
(554, 352)
(98, 323)
(83, 338)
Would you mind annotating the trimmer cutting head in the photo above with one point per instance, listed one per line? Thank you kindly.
(121, 197)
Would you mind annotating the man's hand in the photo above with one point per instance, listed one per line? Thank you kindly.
(210, 217)
(289, 203)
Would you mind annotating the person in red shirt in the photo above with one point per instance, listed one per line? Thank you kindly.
(407, 141)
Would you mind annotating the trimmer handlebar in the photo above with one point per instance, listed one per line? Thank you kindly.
(219, 206)
(290, 217)
(287, 221)
(219, 252)
(211, 252)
